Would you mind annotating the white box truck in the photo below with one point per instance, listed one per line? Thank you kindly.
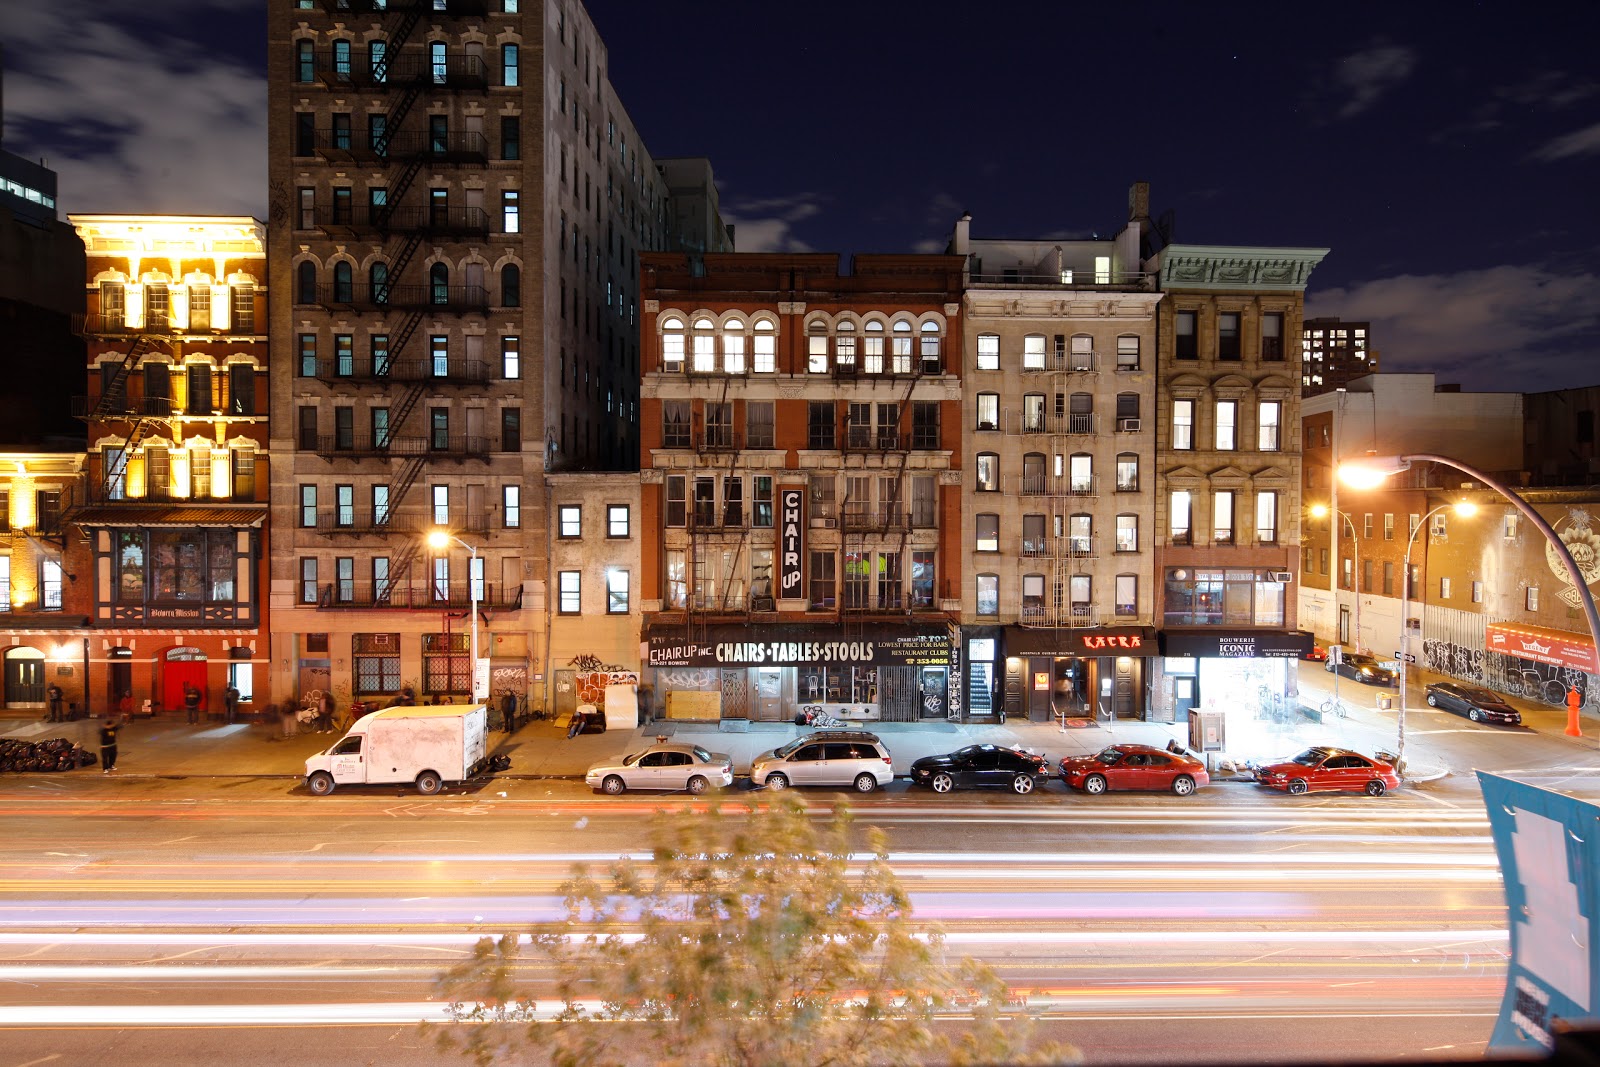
(428, 746)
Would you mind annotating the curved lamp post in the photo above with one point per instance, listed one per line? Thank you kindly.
(1321, 511)
(440, 539)
(1370, 471)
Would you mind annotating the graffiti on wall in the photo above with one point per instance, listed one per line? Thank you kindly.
(1459, 661)
(1547, 683)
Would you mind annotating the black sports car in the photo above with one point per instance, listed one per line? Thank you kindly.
(1362, 669)
(979, 765)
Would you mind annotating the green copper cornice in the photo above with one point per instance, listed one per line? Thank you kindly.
(1225, 267)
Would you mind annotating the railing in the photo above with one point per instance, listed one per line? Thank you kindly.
(438, 7)
(1050, 485)
(1066, 279)
(717, 438)
(1081, 614)
(415, 595)
(428, 221)
(126, 407)
(401, 69)
(360, 295)
(887, 366)
(364, 445)
(857, 599)
(1065, 547)
(407, 521)
(340, 145)
(859, 516)
(864, 437)
(365, 368)
(718, 520)
(100, 325)
(1046, 422)
(1064, 363)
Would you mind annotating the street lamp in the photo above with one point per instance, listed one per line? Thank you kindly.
(440, 539)
(1465, 509)
(1320, 511)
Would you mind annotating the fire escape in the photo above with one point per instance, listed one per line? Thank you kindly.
(719, 522)
(404, 75)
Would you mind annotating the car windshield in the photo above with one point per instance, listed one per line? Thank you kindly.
(786, 750)
(701, 754)
(1110, 756)
(964, 753)
(631, 759)
(1311, 757)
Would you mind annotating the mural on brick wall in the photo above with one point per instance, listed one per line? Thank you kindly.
(1576, 532)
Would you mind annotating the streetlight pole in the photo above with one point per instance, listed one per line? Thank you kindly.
(1405, 626)
(1320, 510)
(442, 539)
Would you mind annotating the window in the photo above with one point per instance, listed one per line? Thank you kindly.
(817, 348)
(308, 506)
(380, 505)
(1227, 417)
(511, 506)
(511, 429)
(759, 426)
(1388, 577)
(1186, 337)
(570, 520)
(988, 351)
(765, 351)
(844, 346)
(1269, 420)
(510, 286)
(441, 505)
(1127, 472)
(308, 359)
(305, 133)
(617, 520)
(509, 61)
(1128, 352)
(510, 137)
(733, 346)
(308, 581)
(1222, 517)
(823, 577)
(1081, 593)
(672, 345)
(1182, 504)
(1214, 596)
(1508, 525)
(988, 472)
(1366, 525)
(1444, 589)
(1183, 425)
(677, 500)
(1127, 594)
(1272, 336)
(439, 429)
(1032, 596)
(344, 429)
(305, 66)
(1267, 518)
(761, 501)
(988, 411)
(819, 424)
(510, 357)
(1388, 526)
(929, 347)
(719, 424)
(50, 584)
(1532, 599)
(1033, 352)
(1228, 335)
(570, 584)
(1366, 575)
(1348, 573)
(988, 594)
(439, 284)
(675, 422)
(510, 211)
(988, 531)
(616, 592)
(925, 424)
(1080, 534)
(704, 343)
(1127, 533)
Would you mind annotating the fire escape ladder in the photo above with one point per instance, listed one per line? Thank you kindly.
(116, 390)
(408, 401)
(400, 569)
(402, 259)
(404, 481)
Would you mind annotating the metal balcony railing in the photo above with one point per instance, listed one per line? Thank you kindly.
(1062, 363)
(1030, 278)
(365, 297)
(430, 221)
(410, 522)
(366, 369)
(340, 145)
(859, 516)
(1044, 422)
(415, 595)
(399, 70)
(1050, 485)
(856, 598)
(99, 325)
(718, 438)
(358, 446)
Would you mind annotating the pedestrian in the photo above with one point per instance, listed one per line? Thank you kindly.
(325, 713)
(508, 710)
(191, 702)
(230, 702)
(125, 705)
(53, 692)
(108, 743)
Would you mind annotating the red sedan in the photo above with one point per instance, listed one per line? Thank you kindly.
(1135, 767)
(1330, 768)
(1318, 654)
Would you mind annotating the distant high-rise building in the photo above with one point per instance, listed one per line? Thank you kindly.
(1335, 351)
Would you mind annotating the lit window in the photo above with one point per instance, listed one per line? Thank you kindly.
(988, 351)
(765, 352)
(616, 592)
(571, 520)
(617, 520)
(511, 501)
(570, 584)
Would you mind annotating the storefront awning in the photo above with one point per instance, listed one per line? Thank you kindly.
(1541, 644)
(1236, 644)
(801, 644)
(171, 515)
(1088, 641)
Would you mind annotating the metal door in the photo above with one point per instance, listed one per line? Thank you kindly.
(24, 682)
(1125, 690)
(769, 694)
(736, 693)
(566, 692)
(1344, 625)
(898, 697)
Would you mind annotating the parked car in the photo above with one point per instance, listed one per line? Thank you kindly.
(1330, 768)
(981, 765)
(1135, 767)
(827, 757)
(1479, 705)
(1318, 654)
(672, 767)
(1362, 668)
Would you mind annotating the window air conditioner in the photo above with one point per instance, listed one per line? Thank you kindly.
(1280, 576)
(1128, 425)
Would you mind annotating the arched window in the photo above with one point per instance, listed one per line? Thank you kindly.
(900, 348)
(378, 279)
(844, 346)
(765, 353)
(1127, 472)
(733, 346)
(1034, 482)
(932, 362)
(341, 60)
(1080, 474)
(672, 344)
(305, 284)
(872, 348)
(343, 283)
(705, 346)
(1033, 352)
(988, 472)
(1080, 413)
(439, 284)
(817, 347)
(510, 285)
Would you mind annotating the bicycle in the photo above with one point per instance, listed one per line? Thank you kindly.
(1333, 707)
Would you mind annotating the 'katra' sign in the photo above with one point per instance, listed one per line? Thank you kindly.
(791, 521)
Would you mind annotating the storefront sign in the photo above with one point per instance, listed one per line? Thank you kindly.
(791, 543)
(799, 645)
(1541, 645)
(1102, 641)
(1237, 644)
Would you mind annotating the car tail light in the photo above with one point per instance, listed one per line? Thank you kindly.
(888, 761)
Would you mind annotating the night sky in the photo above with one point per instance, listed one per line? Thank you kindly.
(1447, 153)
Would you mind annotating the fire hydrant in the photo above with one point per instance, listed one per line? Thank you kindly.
(1574, 702)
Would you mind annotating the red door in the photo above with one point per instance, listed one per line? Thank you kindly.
(175, 674)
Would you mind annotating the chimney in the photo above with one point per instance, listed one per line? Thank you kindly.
(960, 236)
(1139, 202)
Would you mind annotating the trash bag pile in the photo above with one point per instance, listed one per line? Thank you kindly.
(52, 754)
(499, 763)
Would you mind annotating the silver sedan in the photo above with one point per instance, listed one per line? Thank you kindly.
(664, 767)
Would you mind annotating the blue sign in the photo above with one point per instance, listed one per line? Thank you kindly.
(1549, 849)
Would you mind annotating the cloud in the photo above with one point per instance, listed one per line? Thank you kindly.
(766, 224)
(1584, 142)
(1366, 75)
(1518, 326)
(145, 118)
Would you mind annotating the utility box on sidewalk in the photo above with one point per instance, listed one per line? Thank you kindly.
(1206, 731)
(1385, 702)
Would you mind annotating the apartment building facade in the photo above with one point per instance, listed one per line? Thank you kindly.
(1334, 351)
(458, 199)
(800, 506)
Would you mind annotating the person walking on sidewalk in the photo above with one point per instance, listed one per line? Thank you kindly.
(325, 713)
(108, 743)
(230, 702)
(125, 705)
(508, 710)
(54, 695)
(191, 702)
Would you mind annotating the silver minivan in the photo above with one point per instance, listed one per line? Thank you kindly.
(828, 757)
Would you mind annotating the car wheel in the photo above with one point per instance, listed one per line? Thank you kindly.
(865, 783)
(698, 785)
(1095, 783)
(613, 786)
(942, 783)
(1475, 715)
(1022, 783)
(777, 781)
(428, 783)
(1297, 786)
(1433, 701)
(1375, 788)
(320, 783)
(1183, 785)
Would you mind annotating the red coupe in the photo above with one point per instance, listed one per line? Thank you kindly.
(1135, 767)
(1330, 768)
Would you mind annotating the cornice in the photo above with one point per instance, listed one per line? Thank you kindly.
(1230, 268)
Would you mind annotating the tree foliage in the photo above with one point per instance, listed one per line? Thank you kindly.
(751, 940)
